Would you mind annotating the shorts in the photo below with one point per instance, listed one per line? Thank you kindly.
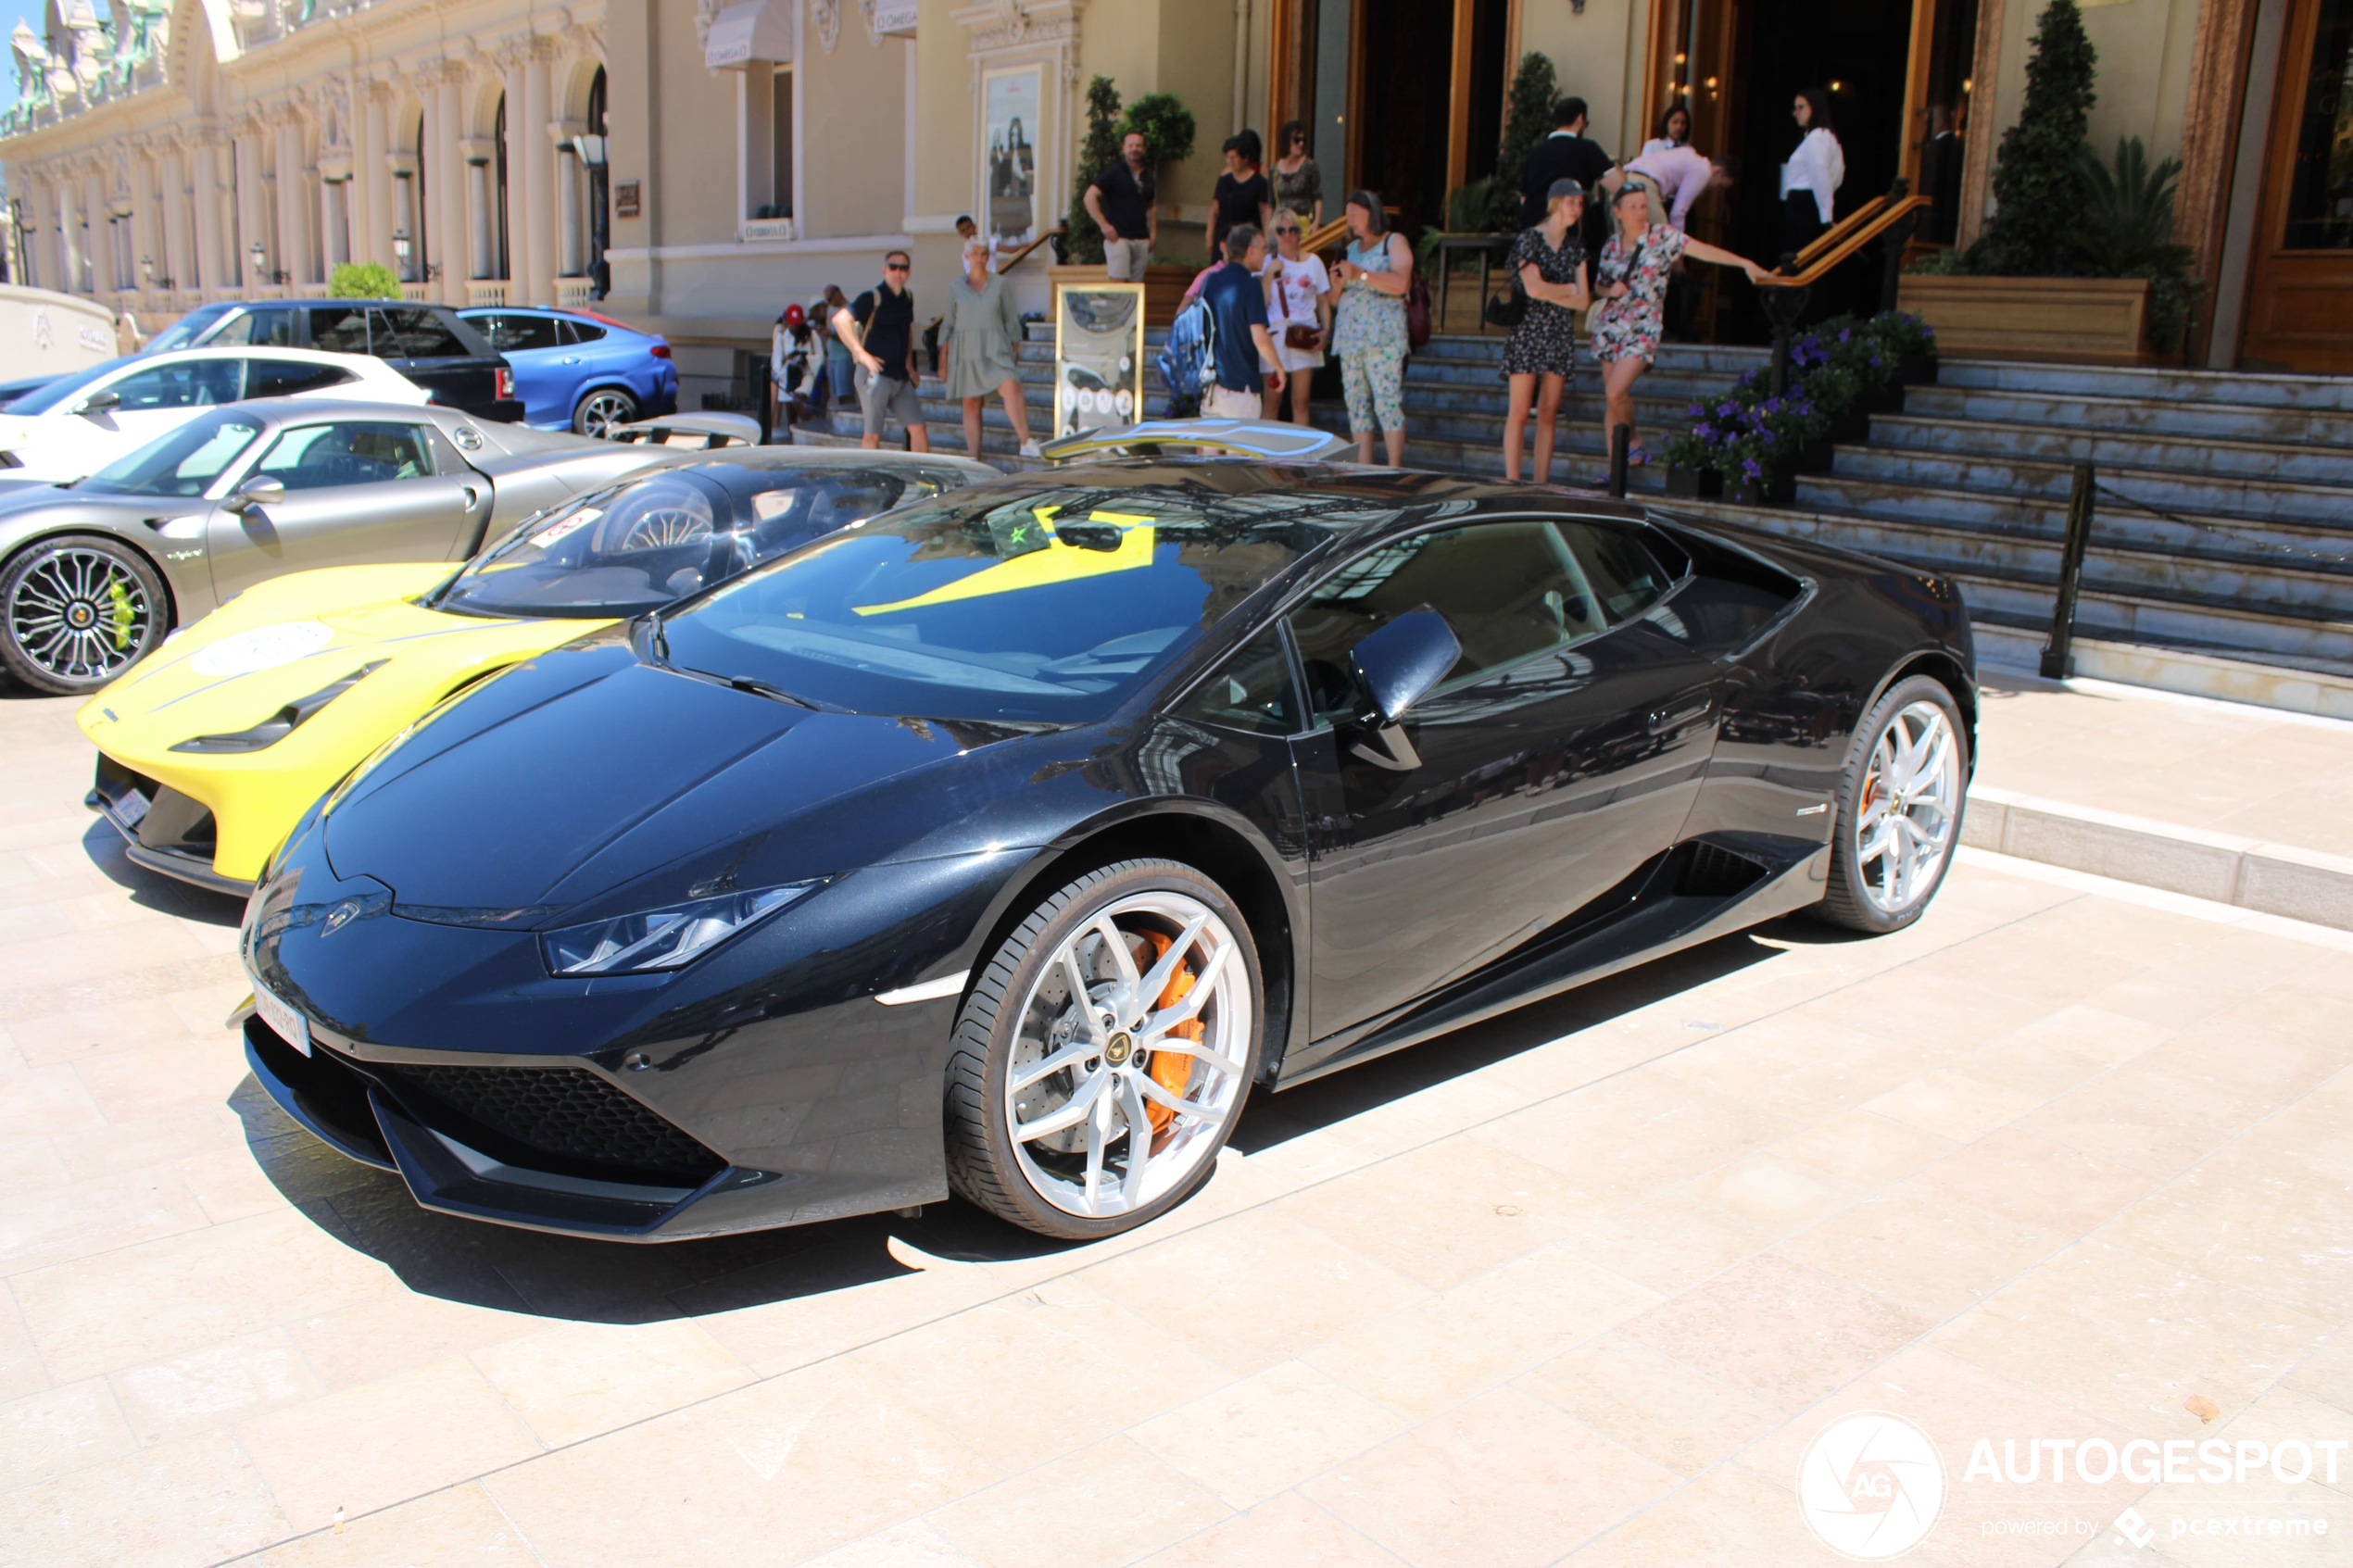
(1225, 403)
(1373, 384)
(879, 398)
(1126, 259)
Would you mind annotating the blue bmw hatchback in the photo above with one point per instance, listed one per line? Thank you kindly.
(577, 371)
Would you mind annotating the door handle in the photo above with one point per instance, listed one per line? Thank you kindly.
(474, 496)
(1679, 714)
(570, 359)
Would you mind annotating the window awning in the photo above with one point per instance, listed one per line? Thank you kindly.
(755, 29)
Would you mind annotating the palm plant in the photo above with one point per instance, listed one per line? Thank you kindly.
(2125, 229)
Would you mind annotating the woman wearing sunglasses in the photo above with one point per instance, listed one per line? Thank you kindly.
(1299, 315)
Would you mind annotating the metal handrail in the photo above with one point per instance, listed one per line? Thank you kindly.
(1882, 215)
(1008, 262)
(1837, 232)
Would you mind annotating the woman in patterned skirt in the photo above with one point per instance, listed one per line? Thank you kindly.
(1630, 282)
(1547, 264)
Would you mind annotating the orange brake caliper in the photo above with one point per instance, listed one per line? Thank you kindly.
(1169, 1070)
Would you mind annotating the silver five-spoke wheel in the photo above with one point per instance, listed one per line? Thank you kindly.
(1102, 1056)
(1127, 1065)
(1911, 805)
(1899, 811)
(602, 410)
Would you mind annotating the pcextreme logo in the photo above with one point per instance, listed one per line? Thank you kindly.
(1871, 1486)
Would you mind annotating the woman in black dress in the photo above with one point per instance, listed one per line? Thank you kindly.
(1241, 196)
(1548, 266)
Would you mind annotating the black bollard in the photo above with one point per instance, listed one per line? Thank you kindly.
(1621, 439)
(2059, 653)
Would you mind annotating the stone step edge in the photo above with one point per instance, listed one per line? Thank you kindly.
(2186, 671)
(2271, 878)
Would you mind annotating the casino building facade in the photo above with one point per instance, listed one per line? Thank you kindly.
(695, 165)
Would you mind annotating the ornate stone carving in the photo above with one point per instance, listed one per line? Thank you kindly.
(826, 15)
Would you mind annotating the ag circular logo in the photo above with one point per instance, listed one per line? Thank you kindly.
(1871, 1486)
(264, 647)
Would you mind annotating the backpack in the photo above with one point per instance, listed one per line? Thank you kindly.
(1188, 359)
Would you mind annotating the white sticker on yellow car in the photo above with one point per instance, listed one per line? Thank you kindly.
(264, 647)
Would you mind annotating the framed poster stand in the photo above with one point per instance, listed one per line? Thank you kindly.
(1099, 356)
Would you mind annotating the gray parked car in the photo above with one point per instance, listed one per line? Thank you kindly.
(94, 574)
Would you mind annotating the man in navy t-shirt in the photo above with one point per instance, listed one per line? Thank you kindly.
(1237, 299)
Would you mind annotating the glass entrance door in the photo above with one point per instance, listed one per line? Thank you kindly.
(2300, 307)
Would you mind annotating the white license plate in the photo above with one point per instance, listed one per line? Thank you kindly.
(132, 808)
(291, 1026)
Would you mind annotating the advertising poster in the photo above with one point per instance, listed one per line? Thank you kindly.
(1099, 356)
(1009, 153)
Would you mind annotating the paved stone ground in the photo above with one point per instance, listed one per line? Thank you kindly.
(2066, 1160)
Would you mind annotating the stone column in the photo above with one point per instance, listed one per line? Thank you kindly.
(569, 249)
(479, 197)
(375, 171)
(293, 201)
(177, 242)
(253, 212)
(204, 200)
(94, 207)
(141, 235)
(335, 222)
(538, 173)
(451, 176)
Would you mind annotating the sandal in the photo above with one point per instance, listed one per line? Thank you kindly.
(1636, 458)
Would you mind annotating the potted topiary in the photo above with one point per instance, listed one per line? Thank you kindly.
(362, 279)
(1167, 128)
(2074, 263)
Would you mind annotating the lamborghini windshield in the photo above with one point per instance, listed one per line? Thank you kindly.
(657, 538)
(1047, 605)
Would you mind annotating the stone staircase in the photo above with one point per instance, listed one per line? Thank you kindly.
(2254, 567)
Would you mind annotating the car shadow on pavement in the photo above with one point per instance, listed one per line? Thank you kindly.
(576, 1278)
(1271, 1120)
(153, 890)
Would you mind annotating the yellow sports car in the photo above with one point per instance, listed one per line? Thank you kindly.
(212, 748)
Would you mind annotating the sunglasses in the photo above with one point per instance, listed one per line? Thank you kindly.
(898, 266)
(1286, 229)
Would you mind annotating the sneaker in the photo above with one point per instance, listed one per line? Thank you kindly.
(1029, 449)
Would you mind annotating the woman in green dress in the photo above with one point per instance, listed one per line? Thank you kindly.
(979, 332)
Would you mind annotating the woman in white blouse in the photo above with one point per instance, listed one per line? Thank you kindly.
(1811, 176)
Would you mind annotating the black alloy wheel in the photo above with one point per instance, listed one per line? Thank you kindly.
(597, 413)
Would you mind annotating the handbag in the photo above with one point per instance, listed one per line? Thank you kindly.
(1417, 312)
(1510, 307)
(1299, 334)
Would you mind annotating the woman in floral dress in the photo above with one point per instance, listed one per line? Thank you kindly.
(1548, 264)
(1630, 282)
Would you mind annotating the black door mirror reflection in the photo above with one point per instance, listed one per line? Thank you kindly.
(1399, 664)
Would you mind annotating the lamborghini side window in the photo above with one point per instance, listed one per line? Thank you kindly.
(1252, 692)
(1512, 590)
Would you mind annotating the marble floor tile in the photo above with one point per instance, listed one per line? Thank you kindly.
(1783, 1333)
(1668, 1412)
(459, 1527)
(1112, 1502)
(1922, 1251)
(1288, 1530)
(193, 1501)
(575, 1380)
(1262, 1435)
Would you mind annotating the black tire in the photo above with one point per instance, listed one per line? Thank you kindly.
(600, 408)
(982, 1163)
(1849, 900)
(77, 610)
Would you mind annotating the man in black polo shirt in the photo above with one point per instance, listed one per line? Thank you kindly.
(1567, 154)
(1124, 203)
(879, 329)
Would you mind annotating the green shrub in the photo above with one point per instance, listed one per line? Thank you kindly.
(362, 279)
(2035, 184)
(1528, 119)
(1167, 126)
(1082, 242)
(2125, 229)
